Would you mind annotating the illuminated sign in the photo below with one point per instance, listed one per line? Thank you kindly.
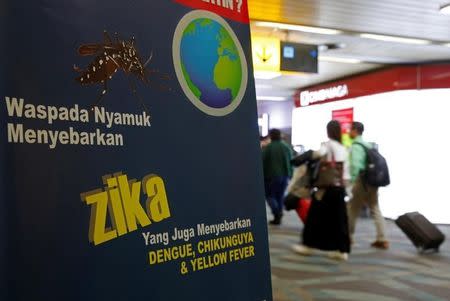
(266, 54)
(310, 97)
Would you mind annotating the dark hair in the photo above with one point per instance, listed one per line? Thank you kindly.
(358, 127)
(275, 134)
(334, 130)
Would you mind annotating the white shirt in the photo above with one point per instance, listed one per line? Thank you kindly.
(340, 152)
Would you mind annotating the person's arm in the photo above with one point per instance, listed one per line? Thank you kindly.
(357, 160)
(346, 175)
(321, 152)
(303, 158)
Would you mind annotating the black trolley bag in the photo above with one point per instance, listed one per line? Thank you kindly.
(423, 234)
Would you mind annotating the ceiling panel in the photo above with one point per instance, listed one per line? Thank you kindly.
(412, 18)
(407, 18)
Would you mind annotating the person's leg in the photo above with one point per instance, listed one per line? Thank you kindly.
(280, 191)
(278, 188)
(355, 204)
(378, 218)
(268, 194)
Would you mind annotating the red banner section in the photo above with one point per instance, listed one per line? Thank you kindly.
(345, 118)
(379, 81)
(236, 10)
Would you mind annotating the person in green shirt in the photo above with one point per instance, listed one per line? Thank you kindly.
(277, 168)
(362, 193)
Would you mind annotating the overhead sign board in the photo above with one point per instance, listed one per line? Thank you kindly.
(266, 53)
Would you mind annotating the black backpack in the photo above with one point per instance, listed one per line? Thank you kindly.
(376, 173)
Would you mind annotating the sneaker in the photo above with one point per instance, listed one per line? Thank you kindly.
(384, 245)
(275, 222)
(338, 255)
(302, 250)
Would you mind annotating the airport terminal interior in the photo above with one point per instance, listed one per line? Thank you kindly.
(140, 160)
(386, 64)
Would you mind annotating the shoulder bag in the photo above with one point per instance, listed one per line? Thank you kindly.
(329, 173)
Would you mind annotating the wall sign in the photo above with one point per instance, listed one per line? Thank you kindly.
(426, 76)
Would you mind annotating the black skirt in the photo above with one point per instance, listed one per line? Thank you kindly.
(326, 227)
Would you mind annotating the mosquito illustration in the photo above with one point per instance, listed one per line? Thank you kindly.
(111, 56)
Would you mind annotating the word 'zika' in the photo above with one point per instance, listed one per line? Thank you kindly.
(121, 199)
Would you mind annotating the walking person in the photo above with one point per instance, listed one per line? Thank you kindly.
(277, 157)
(362, 193)
(326, 227)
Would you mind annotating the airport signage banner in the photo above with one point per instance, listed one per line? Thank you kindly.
(130, 162)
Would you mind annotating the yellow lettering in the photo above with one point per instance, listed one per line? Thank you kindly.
(121, 199)
(160, 256)
(152, 257)
(134, 212)
(252, 251)
(157, 203)
(97, 228)
(116, 209)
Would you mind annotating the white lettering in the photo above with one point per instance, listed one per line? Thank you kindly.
(311, 97)
(146, 237)
(17, 134)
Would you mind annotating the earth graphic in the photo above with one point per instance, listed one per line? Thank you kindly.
(210, 63)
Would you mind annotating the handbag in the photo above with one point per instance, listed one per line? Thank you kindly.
(291, 201)
(329, 173)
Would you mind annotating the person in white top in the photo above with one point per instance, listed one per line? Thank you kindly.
(326, 227)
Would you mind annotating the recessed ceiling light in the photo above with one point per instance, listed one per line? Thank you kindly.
(334, 59)
(385, 38)
(266, 74)
(310, 29)
(271, 98)
(445, 9)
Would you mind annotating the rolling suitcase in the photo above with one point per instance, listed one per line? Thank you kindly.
(423, 234)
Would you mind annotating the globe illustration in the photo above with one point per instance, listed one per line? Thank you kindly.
(210, 63)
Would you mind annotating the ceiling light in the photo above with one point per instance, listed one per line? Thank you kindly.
(310, 29)
(445, 9)
(266, 74)
(271, 98)
(394, 39)
(334, 59)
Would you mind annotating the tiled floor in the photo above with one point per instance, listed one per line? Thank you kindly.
(399, 273)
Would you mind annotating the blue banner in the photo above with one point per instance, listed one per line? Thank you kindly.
(130, 164)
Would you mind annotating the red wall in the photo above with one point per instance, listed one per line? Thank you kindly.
(430, 76)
